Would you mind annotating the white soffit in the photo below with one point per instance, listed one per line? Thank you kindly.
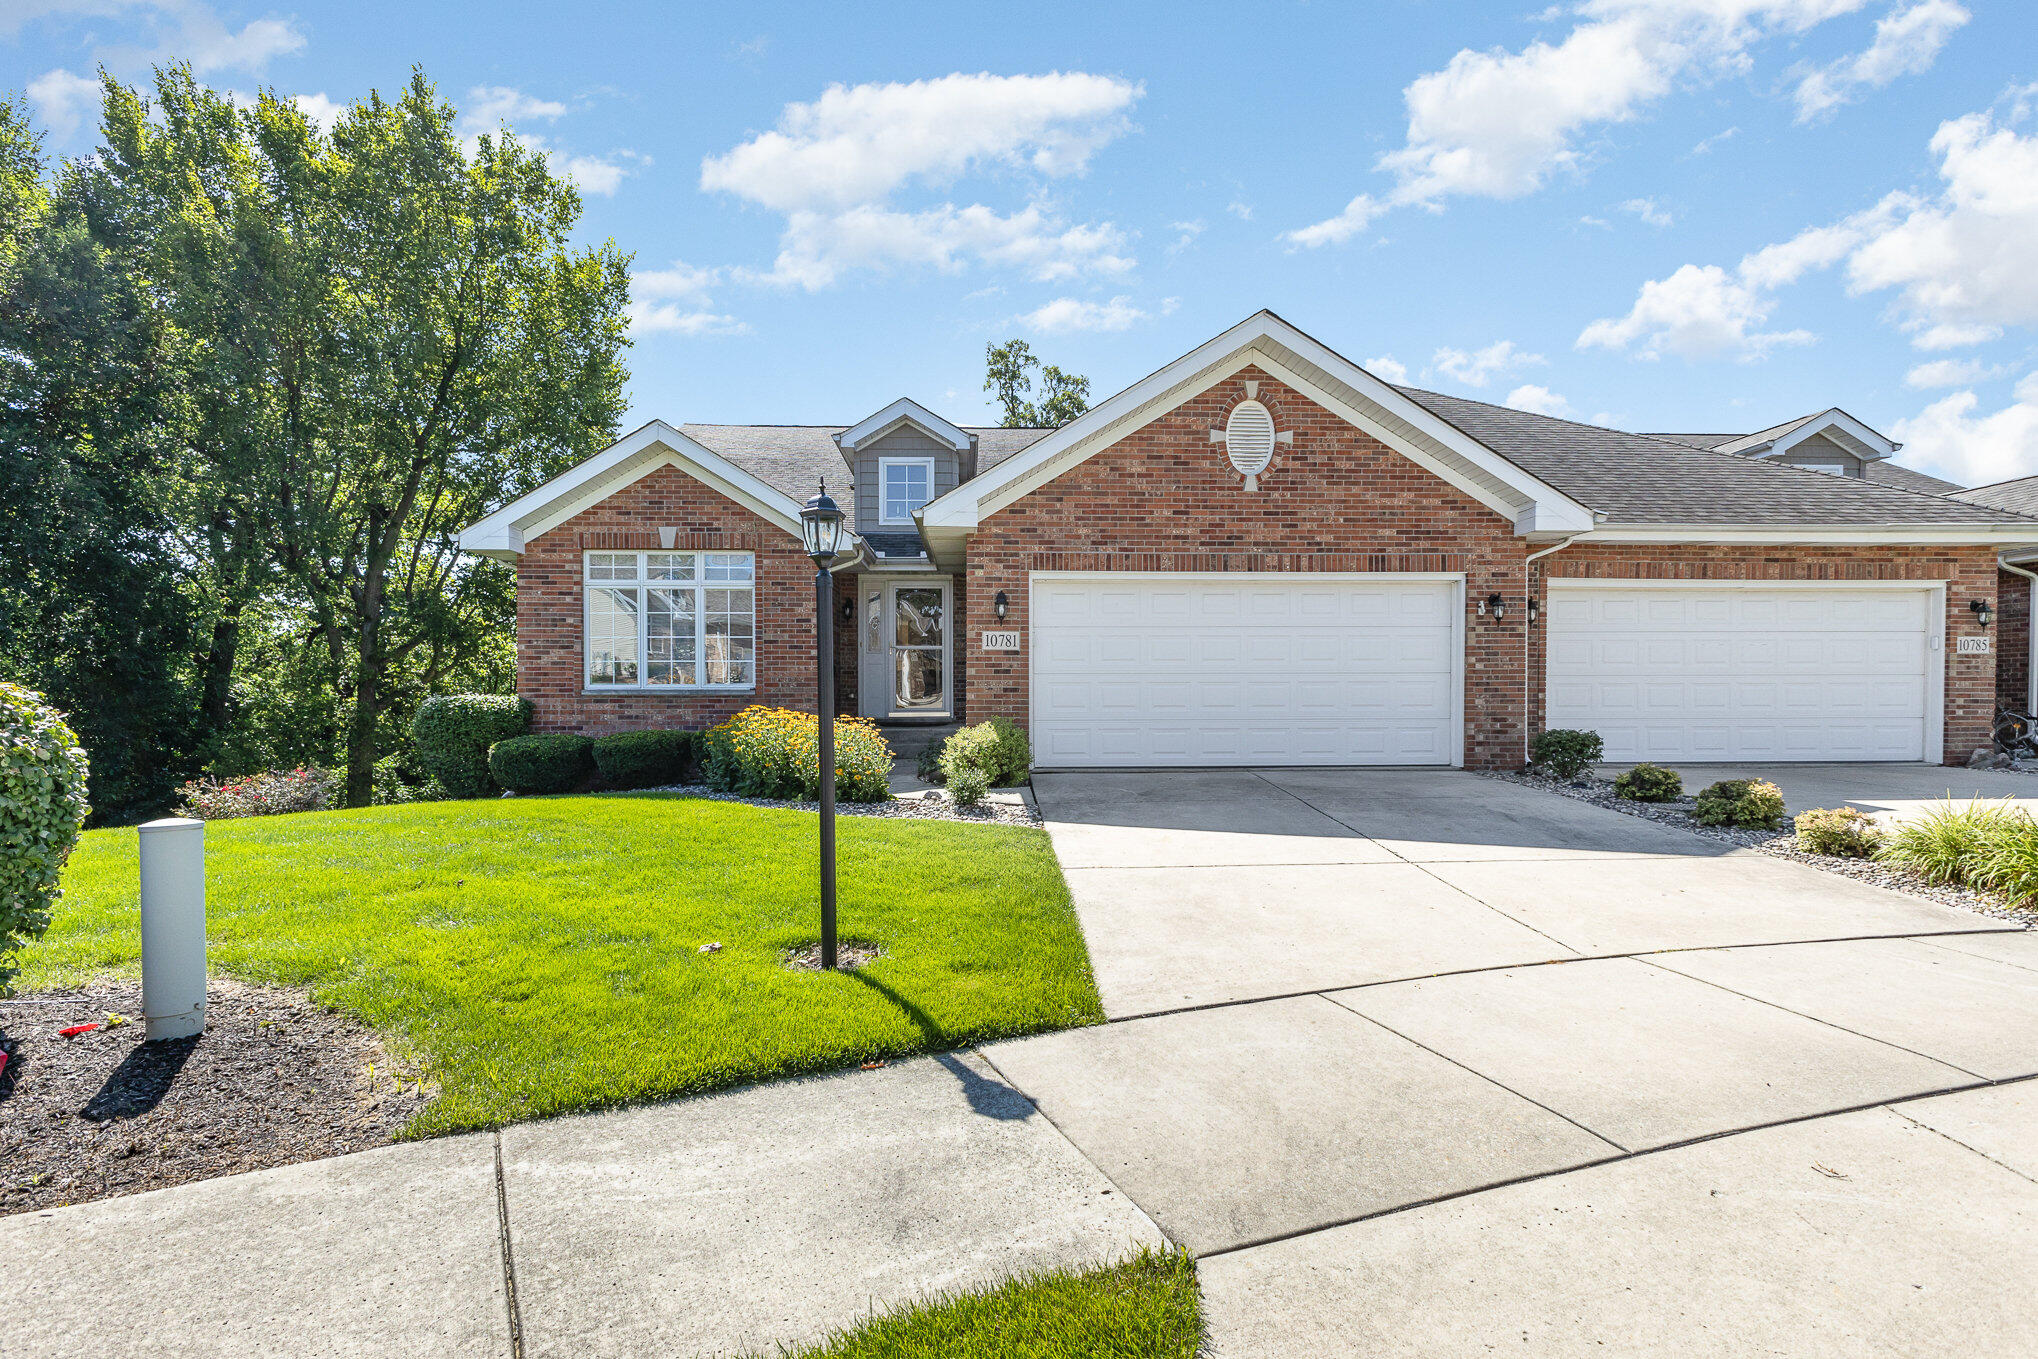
(904, 411)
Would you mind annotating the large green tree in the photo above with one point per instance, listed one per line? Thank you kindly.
(381, 335)
(1008, 375)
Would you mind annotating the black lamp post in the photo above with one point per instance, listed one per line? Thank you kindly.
(821, 527)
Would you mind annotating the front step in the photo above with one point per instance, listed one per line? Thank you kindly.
(908, 739)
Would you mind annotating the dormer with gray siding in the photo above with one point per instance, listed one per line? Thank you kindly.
(901, 458)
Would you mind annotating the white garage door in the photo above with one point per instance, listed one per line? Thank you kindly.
(1200, 670)
(1727, 673)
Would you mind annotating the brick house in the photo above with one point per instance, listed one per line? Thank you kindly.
(1263, 554)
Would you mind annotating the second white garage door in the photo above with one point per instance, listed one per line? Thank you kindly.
(1132, 670)
(1746, 672)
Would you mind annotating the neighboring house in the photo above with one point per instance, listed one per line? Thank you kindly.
(1830, 441)
(1263, 554)
(2017, 663)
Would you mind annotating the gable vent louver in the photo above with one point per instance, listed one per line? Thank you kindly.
(1249, 441)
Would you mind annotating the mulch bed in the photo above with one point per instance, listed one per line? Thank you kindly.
(273, 1080)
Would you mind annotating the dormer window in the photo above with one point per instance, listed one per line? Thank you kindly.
(904, 485)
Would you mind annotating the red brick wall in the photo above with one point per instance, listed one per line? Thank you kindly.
(2013, 640)
(1969, 573)
(550, 652)
(1166, 499)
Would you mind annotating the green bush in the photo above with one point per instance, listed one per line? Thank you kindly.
(776, 753)
(1564, 754)
(967, 786)
(42, 809)
(645, 759)
(1754, 803)
(1649, 783)
(1951, 844)
(2008, 862)
(927, 764)
(998, 749)
(454, 732)
(398, 781)
(541, 764)
(1842, 832)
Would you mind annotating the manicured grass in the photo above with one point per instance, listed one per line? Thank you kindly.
(541, 955)
(1145, 1308)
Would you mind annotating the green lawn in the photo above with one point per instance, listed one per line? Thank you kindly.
(1145, 1308)
(540, 955)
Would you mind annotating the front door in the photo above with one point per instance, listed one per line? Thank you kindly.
(903, 645)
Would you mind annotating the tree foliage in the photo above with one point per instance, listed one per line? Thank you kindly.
(1008, 374)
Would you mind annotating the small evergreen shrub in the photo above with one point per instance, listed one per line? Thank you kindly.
(1563, 754)
(541, 764)
(1649, 783)
(968, 785)
(998, 749)
(275, 793)
(645, 759)
(42, 809)
(776, 753)
(1952, 844)
(454, 732)
(1753, 803)
(1842, 832)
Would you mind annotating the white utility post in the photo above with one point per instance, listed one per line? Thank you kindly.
(173, 928)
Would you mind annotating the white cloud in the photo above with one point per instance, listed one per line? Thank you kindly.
(1185, 234)
(833, 166)
(1475, 368)
(651, 318)
(491, 106)
(63, 101)
(857, 144)
(677, 300)
(1387, 368)
(1538, 400)
(321, 110)
(1591, 221)
(1705, 147)
(172, 30)
(1948, 438)
(1066, 314)
(210, 45)
(1907, 42)
(682, 280)
(1949, 373)
(1649, 211)
(1498, 124)
(1701, 311)
(598, 174)
(1240, 209)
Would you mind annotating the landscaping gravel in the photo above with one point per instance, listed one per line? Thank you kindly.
(920, 805)
(272, 1081)
(1780, 843)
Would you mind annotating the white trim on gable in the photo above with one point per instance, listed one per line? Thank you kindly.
(631, 458)
(1265, 340)
(1841, 428)
(905, 411)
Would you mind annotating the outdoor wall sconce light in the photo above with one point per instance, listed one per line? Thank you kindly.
(999, 605)
(1984, 612)
(1494, 605)
(1533, 610)
(848, 610)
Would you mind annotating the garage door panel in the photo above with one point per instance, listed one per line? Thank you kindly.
(1741, 674)
(1288, 672)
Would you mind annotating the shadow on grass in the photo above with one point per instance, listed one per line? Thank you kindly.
(987, 1098)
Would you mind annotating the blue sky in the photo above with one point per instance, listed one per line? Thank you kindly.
(1659, 214)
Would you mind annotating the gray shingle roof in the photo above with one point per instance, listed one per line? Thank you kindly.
(1696, 440)
(2020, 495)
(1637, 479)
(1908, 478)
(1873, 469)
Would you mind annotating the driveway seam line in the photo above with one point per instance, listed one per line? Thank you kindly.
(509, 1271)
(1640, 955)
(1933, 939)
(1964, 1146)
(1593, 1165)
(1416, 864)
(1497, 1084)
(1076, 1146)
(1842, 1028)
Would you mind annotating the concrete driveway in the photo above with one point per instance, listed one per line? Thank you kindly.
(1423, 1063)
(1892, 791)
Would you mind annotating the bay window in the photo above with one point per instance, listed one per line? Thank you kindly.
(670, 620)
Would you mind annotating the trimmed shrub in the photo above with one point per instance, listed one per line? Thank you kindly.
(541, 764)
(42, 809)
(776, 753)
(968, 785)
(645, 759)
(1649, 783)
(1950, 844)
(997, 749)
(1563, 754)
(1754, 803)
(275, 793)
(454, 732)
(1842, 832)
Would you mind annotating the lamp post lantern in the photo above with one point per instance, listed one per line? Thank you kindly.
(821, 529)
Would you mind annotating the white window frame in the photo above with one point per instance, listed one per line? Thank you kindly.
(1831, 469)
(884, 469)
(699, 587)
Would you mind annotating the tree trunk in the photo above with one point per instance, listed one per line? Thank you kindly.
(215, 691)
(361, 731)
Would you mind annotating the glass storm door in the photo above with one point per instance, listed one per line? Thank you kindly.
(919, 647)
